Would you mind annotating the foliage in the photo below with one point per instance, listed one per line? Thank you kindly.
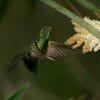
(18, 94)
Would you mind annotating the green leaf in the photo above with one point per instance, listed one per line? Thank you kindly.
(3, 8)
(17, 95)
(74, 17)
(88, 5)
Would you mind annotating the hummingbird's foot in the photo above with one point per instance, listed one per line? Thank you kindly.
(50, 58)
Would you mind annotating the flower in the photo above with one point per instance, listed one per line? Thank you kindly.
(84, 38)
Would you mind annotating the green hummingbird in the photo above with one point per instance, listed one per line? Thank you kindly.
(42, 48)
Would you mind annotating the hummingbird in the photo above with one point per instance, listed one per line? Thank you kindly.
(42, 48)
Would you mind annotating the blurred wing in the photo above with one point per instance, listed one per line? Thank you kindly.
(11, 65)
(56, 49)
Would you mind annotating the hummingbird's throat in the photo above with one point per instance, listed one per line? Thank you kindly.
(42, 45)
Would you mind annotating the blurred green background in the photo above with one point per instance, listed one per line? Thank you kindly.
(20, 22)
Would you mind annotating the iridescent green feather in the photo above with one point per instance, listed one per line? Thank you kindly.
(43, 37)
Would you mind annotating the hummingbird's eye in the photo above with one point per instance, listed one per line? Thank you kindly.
(44, 33)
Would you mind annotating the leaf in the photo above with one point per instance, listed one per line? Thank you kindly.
(17, 95)
(74, 17)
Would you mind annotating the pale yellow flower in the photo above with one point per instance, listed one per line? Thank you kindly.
(84, 38)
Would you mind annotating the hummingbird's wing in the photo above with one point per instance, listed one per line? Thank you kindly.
(56, 49)
(11, 65)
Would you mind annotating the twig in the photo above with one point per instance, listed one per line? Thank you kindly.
(74, 8)
(88, 5)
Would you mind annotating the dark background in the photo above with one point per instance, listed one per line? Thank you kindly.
(20, 22)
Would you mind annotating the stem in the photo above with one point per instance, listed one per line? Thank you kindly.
(71, 15)
(74, 8)
(88, 5)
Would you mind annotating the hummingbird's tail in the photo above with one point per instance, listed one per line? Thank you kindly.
(31, 63)
(11, 65)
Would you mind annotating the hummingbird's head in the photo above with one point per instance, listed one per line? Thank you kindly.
(46, 29)
(44, 33)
